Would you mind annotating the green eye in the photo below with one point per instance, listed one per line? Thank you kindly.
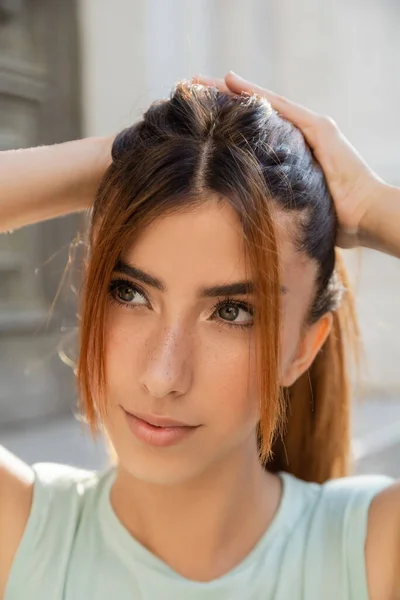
(125, 293)
(234, 313)
(229, 312)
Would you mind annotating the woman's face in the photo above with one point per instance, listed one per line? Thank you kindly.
(180, 349)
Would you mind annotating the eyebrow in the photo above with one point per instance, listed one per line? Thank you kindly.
(238, 288)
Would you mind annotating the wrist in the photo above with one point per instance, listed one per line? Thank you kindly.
(381, 218)
(93, 157)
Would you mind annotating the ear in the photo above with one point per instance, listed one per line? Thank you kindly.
(311, 343)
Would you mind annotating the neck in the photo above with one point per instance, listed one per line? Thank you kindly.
(204, 527)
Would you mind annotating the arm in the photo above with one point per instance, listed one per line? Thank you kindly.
(46, 182)
(37, 184)
(380, 228)
(16, 486)
(382, 549)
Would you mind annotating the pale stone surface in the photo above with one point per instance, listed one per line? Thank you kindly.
(62, 439)
(376, 283)
(38, 98)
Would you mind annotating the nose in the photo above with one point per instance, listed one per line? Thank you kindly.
(167, 367)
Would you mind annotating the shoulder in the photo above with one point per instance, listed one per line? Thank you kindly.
(362, 509)
(35, 502)
(371, 524)
(16, 490)
(340, 498)
(337, 528)
(383, 544)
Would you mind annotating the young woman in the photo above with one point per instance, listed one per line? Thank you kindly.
(213, 326)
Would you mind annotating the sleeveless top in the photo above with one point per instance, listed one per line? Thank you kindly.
(75, 548)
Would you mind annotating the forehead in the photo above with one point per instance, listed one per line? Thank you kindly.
(203, 245)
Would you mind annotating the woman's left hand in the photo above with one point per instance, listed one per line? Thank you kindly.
(356, 190)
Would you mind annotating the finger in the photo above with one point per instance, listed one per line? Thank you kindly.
(212, 82)
(302, 117)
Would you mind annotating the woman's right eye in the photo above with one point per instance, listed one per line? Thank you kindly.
(124, 292)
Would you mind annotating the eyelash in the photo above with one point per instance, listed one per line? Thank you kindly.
(115, 284)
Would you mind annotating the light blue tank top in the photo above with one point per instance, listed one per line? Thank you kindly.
(75, 548)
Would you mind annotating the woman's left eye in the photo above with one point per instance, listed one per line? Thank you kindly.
(234, 313)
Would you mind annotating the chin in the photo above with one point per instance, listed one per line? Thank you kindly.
(174, 465)
(160, 470)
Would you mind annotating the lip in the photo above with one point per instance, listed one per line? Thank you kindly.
(158, 431)
(158, 421)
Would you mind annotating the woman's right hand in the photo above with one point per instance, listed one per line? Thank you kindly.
(355, 188)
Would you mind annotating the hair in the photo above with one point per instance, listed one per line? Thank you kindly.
(202, 141)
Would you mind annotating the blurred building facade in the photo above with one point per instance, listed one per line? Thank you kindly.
(39, 104)
(89, 67)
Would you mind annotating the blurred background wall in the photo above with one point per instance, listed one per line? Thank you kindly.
(89, 67)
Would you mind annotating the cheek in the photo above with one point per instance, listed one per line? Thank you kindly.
(228, 379)
(126, 338)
